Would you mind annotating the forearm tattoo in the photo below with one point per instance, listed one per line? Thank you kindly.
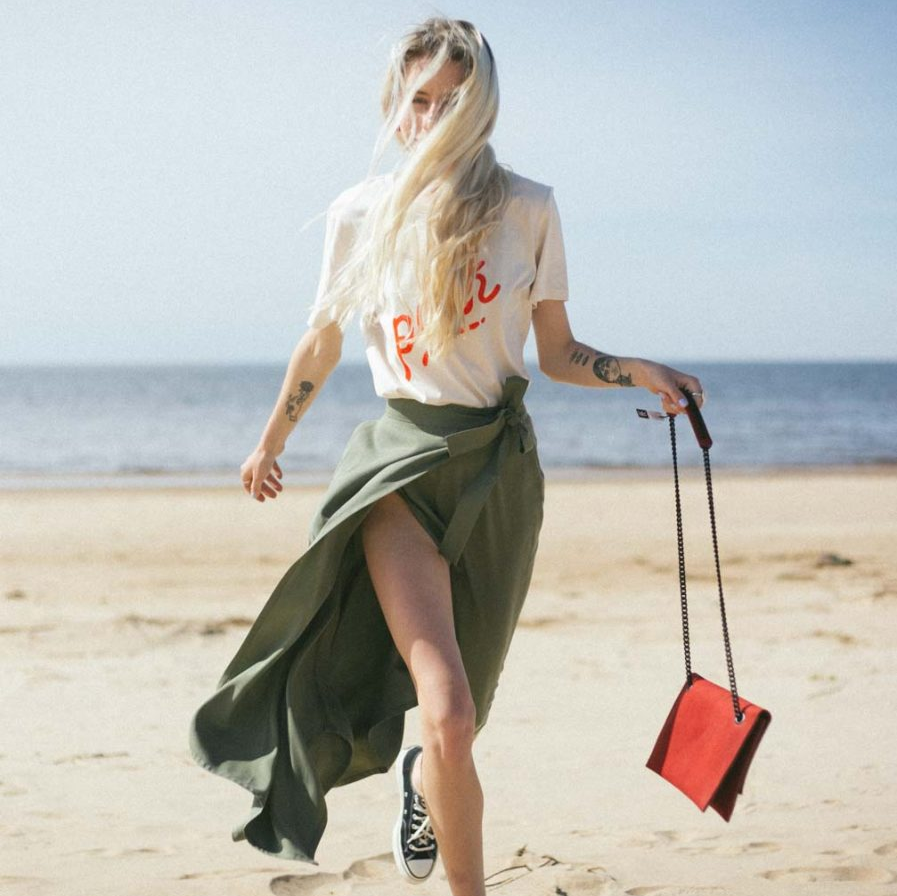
(607, 369)
(296, 401)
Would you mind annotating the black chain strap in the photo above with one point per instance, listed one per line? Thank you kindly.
(739, 715)
(683, 597)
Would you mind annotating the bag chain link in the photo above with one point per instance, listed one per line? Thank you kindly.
(739, 715)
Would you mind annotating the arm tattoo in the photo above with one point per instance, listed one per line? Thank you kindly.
(578, 357)
(607, 369)
(296, 401)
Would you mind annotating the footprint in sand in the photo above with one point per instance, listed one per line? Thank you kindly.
(525, 874)
(657, 838)
(865, 828)
(82, 757)
(732, 849)
(110, 852)
(175, 628)
(677, 891)
(365, 873)
(843, 873)
(227, 874)
(528, 874)
(546, 621)
(25, 885)
(844, 638)
(886, 849)
(7, 788)
(35, 629)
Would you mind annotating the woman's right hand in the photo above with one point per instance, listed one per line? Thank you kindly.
(260, 475)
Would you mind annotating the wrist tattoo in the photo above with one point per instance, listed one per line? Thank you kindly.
(296, 401)
(607, 369)
(578, 357)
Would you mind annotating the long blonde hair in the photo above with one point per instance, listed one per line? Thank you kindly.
(449, 175)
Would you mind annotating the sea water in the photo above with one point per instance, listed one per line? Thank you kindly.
(194, 425)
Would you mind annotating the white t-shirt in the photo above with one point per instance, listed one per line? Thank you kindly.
(521, 263)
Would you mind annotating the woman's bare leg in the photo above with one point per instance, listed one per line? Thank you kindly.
(412, 582)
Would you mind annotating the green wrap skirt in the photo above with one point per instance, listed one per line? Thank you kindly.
(316, 694)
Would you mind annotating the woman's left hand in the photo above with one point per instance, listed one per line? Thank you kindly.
(667, 383)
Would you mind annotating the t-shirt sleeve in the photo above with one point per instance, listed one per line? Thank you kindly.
(338, 238)
(550, 281)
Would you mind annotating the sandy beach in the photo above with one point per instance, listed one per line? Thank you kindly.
(121, 608)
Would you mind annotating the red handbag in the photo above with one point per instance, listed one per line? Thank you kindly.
(710, 736)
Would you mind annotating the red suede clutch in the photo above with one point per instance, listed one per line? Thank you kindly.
(703, 750)
(710, 736)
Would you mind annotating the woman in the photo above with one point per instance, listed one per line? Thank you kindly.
(422, 551)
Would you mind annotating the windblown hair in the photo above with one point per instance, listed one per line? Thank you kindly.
(449, 178)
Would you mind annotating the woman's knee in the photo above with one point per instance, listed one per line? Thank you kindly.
(449, 724)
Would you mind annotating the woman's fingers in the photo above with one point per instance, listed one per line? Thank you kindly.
(260, 476)
(267, 487)
(670, 392)
(671, 404)
(694, 386)
(263, 490)
(260, 488)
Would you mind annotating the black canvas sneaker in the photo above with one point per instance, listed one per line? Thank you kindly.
(413, 843)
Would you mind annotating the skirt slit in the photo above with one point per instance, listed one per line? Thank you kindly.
(316, 695)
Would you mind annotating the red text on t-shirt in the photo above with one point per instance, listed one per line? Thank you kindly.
(403, 327)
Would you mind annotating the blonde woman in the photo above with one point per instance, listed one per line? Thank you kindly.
(422, 550)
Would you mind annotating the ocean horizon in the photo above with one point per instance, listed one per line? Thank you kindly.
(163, 425)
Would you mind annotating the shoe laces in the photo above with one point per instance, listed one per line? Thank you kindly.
(421, 838)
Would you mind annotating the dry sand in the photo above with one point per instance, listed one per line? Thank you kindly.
(120, 609)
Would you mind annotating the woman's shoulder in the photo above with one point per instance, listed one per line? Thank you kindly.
(530, 203)
(527, 190)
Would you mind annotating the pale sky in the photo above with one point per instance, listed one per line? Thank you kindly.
(726, 173)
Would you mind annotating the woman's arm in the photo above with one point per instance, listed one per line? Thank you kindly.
(563, 359)
(313, 359)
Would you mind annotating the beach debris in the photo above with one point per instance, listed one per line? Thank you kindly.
(829, 559)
